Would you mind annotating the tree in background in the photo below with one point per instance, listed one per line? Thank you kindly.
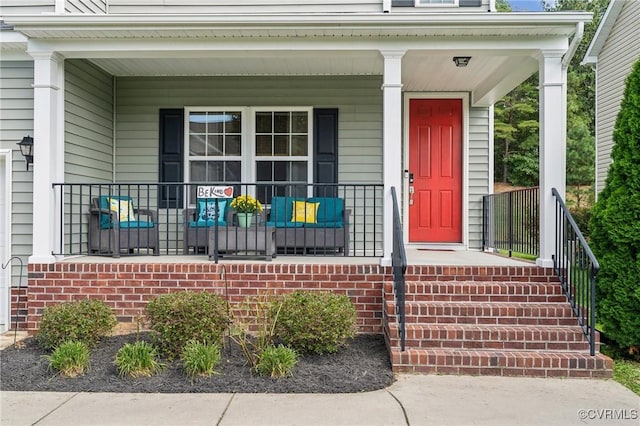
(615, 225)
(516, 120)
(516, 123)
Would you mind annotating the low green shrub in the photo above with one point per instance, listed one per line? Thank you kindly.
(180, 317)
(84, 321)
(277, 361)
(316, 322)
(137, 359)
(70, 358)
(200, 359)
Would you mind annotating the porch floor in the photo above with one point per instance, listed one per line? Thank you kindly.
(415, 256)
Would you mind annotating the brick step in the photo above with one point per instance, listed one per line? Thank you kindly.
(502, 363)
(479, 273)
(477, 290)
(552, 314)
(567, 338)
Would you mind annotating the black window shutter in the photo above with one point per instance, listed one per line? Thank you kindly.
(171, 157)
(325, 150)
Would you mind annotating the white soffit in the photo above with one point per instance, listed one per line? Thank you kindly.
(297, 25)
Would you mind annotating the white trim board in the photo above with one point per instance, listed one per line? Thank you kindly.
(5, 238)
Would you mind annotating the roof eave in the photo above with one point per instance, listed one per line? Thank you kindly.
(66, 22)
(602, 33)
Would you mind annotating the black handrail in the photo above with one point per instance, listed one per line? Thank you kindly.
(399, 266)
(576, 266)
(349, 220)
(510, 221)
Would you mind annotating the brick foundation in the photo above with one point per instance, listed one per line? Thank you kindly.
(128, 287)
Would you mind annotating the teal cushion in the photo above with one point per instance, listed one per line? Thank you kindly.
(206, 210)
(285, 224)
(282, 209)
(331, 209)
(134, 224)
(104, 205)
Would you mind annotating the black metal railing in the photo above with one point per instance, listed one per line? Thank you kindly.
(399, 266)
(510, 222)
(576, 267)
(337, 219)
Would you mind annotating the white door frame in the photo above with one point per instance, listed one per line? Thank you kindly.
(464, 97)
(5, 243)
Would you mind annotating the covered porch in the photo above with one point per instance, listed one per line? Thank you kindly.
(101, 93)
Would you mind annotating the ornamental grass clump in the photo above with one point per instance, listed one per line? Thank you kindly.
(200, 359)
(277, 361)
(85, 321)
(316, 322)
(177, 318)
(246, 204)
(70, 358)
(253, 325)
(137, 359)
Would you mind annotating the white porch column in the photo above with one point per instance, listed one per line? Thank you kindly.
(553, 117)
(48, 116)
(392, 141)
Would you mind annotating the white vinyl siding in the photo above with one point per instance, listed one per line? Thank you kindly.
(479, 179)
(16, 121)
(22, 7)
(243, 7)
(615, 60)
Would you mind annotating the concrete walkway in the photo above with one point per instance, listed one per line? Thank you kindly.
(412, 400)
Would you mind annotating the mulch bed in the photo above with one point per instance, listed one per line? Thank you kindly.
(362, 365)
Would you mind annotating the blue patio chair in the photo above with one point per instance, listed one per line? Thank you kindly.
(115, 225)
(198, 221)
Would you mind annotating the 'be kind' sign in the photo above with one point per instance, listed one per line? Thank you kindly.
(214, 192)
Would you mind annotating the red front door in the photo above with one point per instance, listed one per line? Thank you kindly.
(435, 160)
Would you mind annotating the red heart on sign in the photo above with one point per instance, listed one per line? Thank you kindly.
(228, 191)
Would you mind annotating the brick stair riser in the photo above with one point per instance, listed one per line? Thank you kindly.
(501, 363)
(423, 312)
(479, 288)
(500, 371)
(527, 339)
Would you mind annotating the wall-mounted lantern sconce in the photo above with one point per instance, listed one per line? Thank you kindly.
(461, 61)
(26, 148)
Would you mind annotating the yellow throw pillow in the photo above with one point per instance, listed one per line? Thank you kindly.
(124, 208)
(304, 212)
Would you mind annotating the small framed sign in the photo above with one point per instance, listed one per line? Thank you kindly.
(214, 192)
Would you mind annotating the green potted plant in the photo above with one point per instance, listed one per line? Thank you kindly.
(246, 206)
